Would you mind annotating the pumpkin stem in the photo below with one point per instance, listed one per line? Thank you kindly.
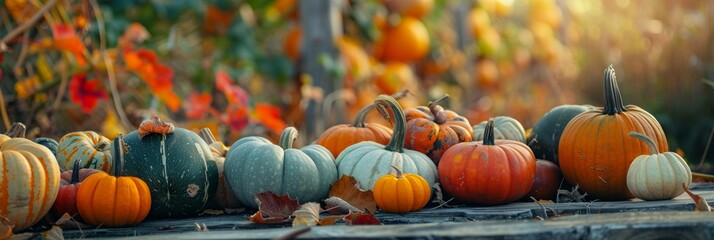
(488, 137)
(155, 125)
(288, 137)
(17, 130)
(118, 155)
(437, 110)
(613, 98)
(75, 171)
(207, 136)
(400, 174)
(396, 144)
(648, 140)
(362, 116)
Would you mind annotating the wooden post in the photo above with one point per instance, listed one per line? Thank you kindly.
(465, 42)
(321, 24)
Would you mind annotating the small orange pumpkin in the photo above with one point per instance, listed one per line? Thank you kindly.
(401, 193)
(432, 130)
(113, 201)
(339, 137)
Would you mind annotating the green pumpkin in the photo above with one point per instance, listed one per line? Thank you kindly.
(49, 143)
(254, 165)
(545, 136)
(368, 161)
(505, 128)
(178, 167)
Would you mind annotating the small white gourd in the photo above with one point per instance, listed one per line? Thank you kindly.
(657, 176)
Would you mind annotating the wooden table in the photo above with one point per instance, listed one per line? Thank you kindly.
(671, 219)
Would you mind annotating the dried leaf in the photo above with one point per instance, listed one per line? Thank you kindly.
(573, 195)
(155, 125)
(269, 116)
(347, 189)
(275, 206)
(361, 219)
(701, 204)
(5, 228)
(85, 92)
(258, 218)
(307, 215)
(336, 205)
(329, 220)
(55, 233)
(213, 212)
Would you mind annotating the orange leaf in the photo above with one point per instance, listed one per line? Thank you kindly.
(155, 125)
(85, 92)
(258, 218)
(347, 189)
(198, 105)
(329, 220)
(66, 40)
(275, 206)
(701, 204)
(234, 93)
(361, 219)
(269, 116)
(158, 76)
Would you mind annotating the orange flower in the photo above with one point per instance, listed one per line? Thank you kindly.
(198, 105)
(158, 76)
(85, 92)
(66, 40)
(269, 116)
(234, 93)
(236, 117)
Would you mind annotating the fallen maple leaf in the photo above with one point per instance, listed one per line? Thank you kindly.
(336, 205)
(347, 189)
(307, 215)
(700, 204)
(277, 209)
(361, 219)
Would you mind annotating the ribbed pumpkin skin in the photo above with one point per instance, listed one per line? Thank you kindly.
(50, 143)
(29, 181)
(401, 193)
(432, 130)
(66, 201)
(93, 149)
(178, 168)
(255, 165)
(595, 150)
(505, 128)
(339, 137)
(545, 136)
(658, 176)
(368, 161)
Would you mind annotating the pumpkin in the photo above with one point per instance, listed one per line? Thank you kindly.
(401, 193)
(545, 134)
(547, 181)
(113, 200)
(176, 164)
(69, 184)
(432, 130)
(93, 149)
(224, 196)
(595, 150)
(29, 181)
(392, 77)
(49, 143)
(255, 165)
(368, 161)
(339, 137)
(488, 172)
(505, 127)
(657, 176)
(405, 41)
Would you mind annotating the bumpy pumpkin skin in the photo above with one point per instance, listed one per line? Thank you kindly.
(432, 130)
(255, 165)
(179, 169)
(506, 128)
(595, 150)
(367, 161)
(401, 193)
(545, 136)
(29, 181)
(488, 172)
(657, 176)
(92, 148)
(339, 137)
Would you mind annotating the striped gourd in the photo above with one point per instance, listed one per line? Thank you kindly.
(93, 149)
(29, 181)
(178, 167)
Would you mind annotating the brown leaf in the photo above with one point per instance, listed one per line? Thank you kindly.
(329, 220)
(155, 125)
(258, 218)
(701, 204)
(347, 189)
(212, 212)
(5, 228)
(274, 206)
(55, 233)
(361, 219)
(308, 215)
(336, 205)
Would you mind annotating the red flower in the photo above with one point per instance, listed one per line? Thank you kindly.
(85, 92)
(234, 93)
(236, 117)
(198, 105)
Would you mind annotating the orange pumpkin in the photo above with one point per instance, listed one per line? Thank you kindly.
(394, 77)
(406, 41)
(432, 130)
(488, 172)
(339, 137)
(595, 149)
(29, 181)
(401, 193)
(113, 201)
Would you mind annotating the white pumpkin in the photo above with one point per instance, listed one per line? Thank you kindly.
(657, 176)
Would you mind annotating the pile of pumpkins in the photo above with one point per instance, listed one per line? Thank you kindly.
(161, 171)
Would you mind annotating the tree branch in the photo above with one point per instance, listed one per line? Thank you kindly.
(27, 24)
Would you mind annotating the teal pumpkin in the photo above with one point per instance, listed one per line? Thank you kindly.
(505, 128)
(368, 161)
(49, 143)
(178, 167)
(545, 136)
(254, 165)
